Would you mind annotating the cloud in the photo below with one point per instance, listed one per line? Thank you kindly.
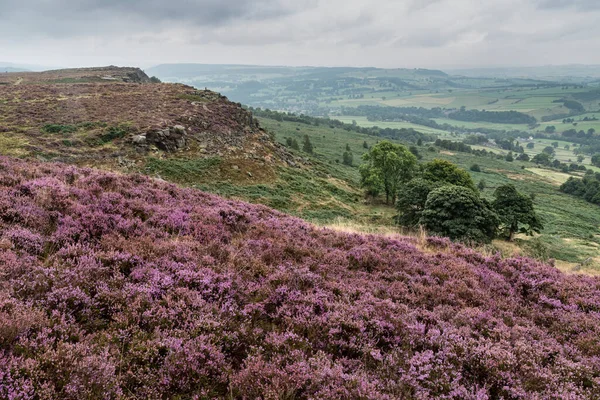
(584, 5)
(394, 33)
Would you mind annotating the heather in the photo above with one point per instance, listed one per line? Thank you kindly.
(120, 286)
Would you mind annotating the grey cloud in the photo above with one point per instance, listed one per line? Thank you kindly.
(80, 17)
(577, 4)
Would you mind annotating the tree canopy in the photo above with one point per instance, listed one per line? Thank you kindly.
(459, 214)
(516, 212)
(411, 200)
(446, 172)
(386, 166)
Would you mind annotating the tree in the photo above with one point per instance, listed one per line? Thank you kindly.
(542, 158)
(387, 166)
(307, 146)
(292, 143)
(555, 144)
(596, 160)
(516, 212)
(411, 200)
(523, 157)
(509, 157)
(365, 145)
(415, 151)
(475, 168)
(530, 145)
(481, 185)
(348, 147)
(459, 214)
(549, 150)
(580, 158)
(347, 158)
(550, 129)
(420, 142)
(444, 171)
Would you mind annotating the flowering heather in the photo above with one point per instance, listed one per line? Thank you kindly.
(122, 287)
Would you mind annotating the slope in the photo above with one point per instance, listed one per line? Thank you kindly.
(119, 286)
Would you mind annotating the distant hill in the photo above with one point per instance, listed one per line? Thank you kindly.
(12, 69)
(549, 72)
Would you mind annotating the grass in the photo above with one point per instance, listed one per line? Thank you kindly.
(571, 233)
(182, 171)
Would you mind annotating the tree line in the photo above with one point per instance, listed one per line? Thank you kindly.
(403, 134)
(442, 198)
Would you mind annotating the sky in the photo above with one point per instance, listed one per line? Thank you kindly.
(381, 33)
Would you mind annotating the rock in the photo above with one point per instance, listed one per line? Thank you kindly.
(236, 168)
(249, 174)
(139, 139)
(170, 139)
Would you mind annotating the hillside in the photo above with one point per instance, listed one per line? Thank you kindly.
(116, 118)
(120, 286)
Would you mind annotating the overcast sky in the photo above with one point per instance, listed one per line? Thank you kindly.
(383, 33)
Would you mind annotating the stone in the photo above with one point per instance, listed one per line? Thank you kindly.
(139, 139)
(249, 174)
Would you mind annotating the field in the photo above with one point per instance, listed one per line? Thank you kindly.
(363, 121)
(572, 226)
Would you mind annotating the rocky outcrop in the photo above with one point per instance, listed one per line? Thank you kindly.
(171, 139)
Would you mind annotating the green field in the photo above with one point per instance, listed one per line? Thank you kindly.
(572, 226)
(364, 122)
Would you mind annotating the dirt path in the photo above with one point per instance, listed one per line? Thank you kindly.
(18, 82)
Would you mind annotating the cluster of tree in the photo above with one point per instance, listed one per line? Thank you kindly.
(510, 145)
(552, 117)
(418, 116)
(443, 198)
(587, 188)
(445, 202)
(403, 134)
(504, 117)
(476, 139)
(574, 106)
(379, 113)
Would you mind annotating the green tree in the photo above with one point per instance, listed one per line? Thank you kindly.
(596, 160)
(580, 158)
(386, 166)
(509, 157)
(555, 145)
(530, 145)
(365, 145)
(348, 147)
(516, 212)
(542, 158)
(481, 185)
(307, 146)
(475, 168)
(420, 142)
(523, 157)
(549, 150)
(459, 214)
(411, 200)
(444, 171)
(347, 158)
